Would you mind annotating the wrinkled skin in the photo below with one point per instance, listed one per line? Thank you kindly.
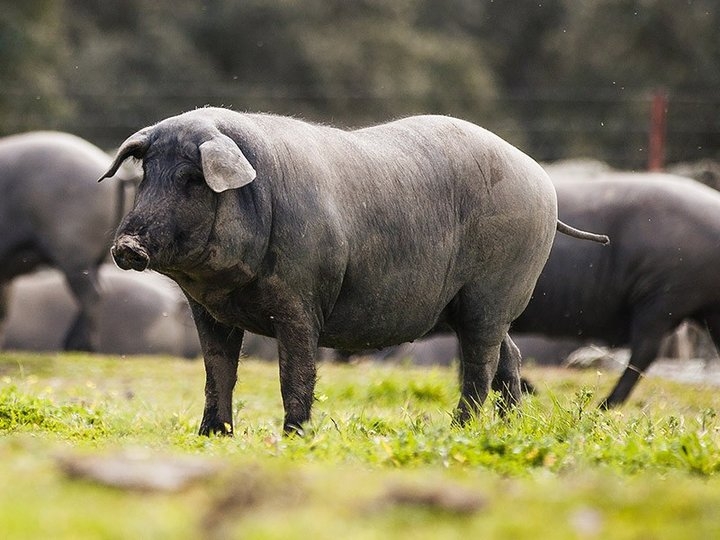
(344, 239)
(660, 268)
(53, 213)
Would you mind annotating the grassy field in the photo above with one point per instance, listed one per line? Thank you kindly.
(105, 447)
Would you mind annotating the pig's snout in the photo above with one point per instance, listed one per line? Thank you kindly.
(129, 254)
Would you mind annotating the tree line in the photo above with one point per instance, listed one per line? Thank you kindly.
(558, 78)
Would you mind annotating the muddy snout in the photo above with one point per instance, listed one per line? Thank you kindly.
(129, 254)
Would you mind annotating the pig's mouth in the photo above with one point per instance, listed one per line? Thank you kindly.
(129, 254)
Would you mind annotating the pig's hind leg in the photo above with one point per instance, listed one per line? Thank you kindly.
(484, 343)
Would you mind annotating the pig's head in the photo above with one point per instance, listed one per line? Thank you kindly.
(187, 167)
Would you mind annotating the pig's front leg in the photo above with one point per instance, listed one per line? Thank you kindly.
(221, 351)
(297, 351)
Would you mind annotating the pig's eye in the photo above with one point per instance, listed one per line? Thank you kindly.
(189, 177)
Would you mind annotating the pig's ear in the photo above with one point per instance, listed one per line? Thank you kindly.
(134, 146)
(224, 165)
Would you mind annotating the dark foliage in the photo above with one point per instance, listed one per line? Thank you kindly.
(559, 78)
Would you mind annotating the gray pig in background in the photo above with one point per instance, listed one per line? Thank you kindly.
(138, 313)
(53, 213)
(344, 239)
(661, 268)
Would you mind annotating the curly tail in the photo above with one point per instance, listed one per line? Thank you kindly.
(583, 235)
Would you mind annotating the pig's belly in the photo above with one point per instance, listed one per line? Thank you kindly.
(378, 324)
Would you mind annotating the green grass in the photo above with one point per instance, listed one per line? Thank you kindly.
(379, 460)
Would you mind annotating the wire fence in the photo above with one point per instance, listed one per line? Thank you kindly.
(551, 124)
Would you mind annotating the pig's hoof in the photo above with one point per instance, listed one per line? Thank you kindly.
(216, 428)
(293, 429)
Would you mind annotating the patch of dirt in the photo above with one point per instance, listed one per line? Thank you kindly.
(695, 371)
(138, 470)
(448, 498)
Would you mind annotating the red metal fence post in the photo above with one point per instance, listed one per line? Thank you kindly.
(658, 124)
